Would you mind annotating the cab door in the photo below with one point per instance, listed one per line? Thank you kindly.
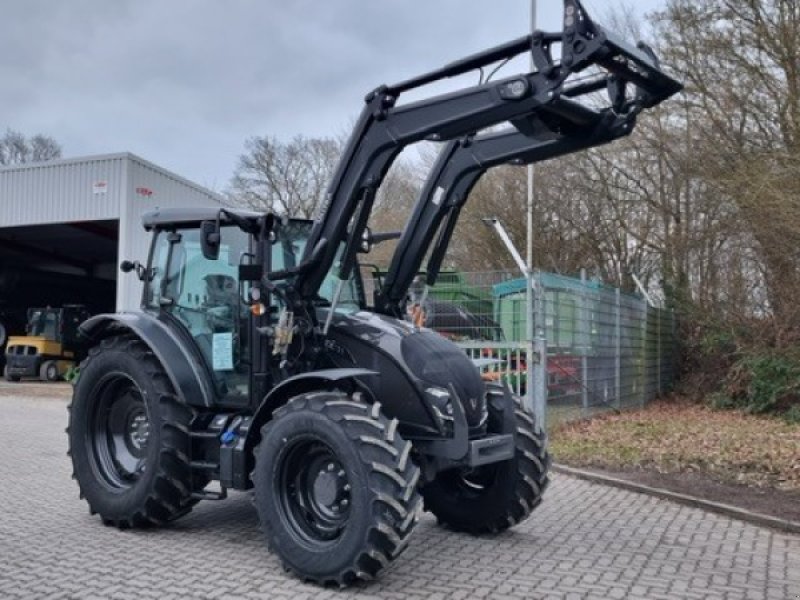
(206, 298)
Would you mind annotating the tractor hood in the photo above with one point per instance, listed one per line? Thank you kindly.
(429, 362)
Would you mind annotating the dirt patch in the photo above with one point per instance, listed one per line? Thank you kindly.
(771, 502)
(747, 461)
(33, 389)
(680, 438)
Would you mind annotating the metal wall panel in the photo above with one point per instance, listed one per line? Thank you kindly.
(113, 186)
(149, 187)
(82, 189)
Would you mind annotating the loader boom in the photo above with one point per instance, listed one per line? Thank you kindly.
(460, 165)
(548, 94)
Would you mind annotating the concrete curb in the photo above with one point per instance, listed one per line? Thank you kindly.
(716, 507)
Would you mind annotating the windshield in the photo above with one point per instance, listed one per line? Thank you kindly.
(287, 251)
(182, 277)
(43, 322)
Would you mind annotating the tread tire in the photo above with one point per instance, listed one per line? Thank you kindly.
(9, 377)
(385, 502)
(164, 491)
(46, 372)
(517, 488)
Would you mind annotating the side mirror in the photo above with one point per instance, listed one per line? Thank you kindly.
(126, 266)
(209, 239)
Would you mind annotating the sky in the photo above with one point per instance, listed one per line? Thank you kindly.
(184, 83)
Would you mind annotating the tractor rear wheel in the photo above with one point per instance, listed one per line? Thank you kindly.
(335, 488)
(494, 497)
(128, 437)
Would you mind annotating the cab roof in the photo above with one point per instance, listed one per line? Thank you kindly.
(165, 217)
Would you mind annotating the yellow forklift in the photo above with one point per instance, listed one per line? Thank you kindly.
(48, 350)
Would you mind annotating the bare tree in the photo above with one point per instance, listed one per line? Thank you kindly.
(739, 59)
(17, 149)
(286, 178)
(393, 204)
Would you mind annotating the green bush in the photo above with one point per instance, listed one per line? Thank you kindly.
(762, 382)
(792, 415)
(716, 341)
(721, 401)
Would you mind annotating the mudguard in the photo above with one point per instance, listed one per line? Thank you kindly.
(299, 384)
(188, 377)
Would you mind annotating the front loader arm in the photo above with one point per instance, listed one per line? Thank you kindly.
(459, 166)
(384, 129)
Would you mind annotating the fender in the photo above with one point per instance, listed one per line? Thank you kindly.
(299, 384)
(187, 375)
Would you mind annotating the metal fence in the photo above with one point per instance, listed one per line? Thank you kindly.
(605, 349)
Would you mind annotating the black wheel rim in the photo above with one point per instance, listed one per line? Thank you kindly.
(314, 492)
(472, 483)
(120, 431)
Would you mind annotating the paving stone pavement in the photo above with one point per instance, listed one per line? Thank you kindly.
(585, 541)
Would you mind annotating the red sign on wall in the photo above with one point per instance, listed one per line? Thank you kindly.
(143, 191)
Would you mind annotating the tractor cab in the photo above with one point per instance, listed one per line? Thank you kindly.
(213, 297)
(49, 348)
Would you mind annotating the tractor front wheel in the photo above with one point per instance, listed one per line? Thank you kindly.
(497, 496)
(335, 488)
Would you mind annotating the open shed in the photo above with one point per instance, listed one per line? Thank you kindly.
(65, 225)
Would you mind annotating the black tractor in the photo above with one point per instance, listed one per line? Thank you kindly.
(257, 363)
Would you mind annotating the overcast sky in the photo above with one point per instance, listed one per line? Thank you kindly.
(184, 82)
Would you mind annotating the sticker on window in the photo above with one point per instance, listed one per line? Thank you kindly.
(222, 351)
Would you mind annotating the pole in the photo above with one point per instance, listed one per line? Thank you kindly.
(495, 224)
(530, 166)
(537, 343)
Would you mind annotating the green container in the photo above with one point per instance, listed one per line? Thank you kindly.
(561, 311)
(451, 287)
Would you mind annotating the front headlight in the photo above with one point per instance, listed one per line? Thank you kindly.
(441, 403)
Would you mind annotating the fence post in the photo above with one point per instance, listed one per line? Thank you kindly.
(643, 355)
(530, 350)
(584, 334)
(617, 348)
(658, 349)
(540, 351)
(671, 349)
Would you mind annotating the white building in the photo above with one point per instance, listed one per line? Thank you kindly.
(65, 225)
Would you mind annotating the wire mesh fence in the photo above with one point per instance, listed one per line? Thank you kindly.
(605, 349)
